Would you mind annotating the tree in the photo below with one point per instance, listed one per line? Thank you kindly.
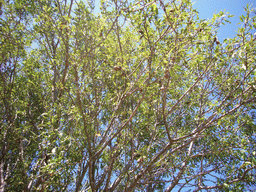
(134, 96)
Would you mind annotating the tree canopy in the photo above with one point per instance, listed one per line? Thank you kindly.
(123, 95)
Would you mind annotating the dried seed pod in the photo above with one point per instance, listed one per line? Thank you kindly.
(123, 74)
(136, 155)
(141, 32)
(117, 68)
(140, 160)
(162, 88)
(167, 74)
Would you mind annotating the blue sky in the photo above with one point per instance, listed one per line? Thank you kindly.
(207, 8)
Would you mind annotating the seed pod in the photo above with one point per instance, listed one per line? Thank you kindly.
(162, 88)
(136, 155)
(140, 160)
(123, 74)
(117, 68)
(167, 74)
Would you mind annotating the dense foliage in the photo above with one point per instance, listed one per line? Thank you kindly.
(125, 96)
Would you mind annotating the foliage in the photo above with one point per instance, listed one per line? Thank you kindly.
(131, 96)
